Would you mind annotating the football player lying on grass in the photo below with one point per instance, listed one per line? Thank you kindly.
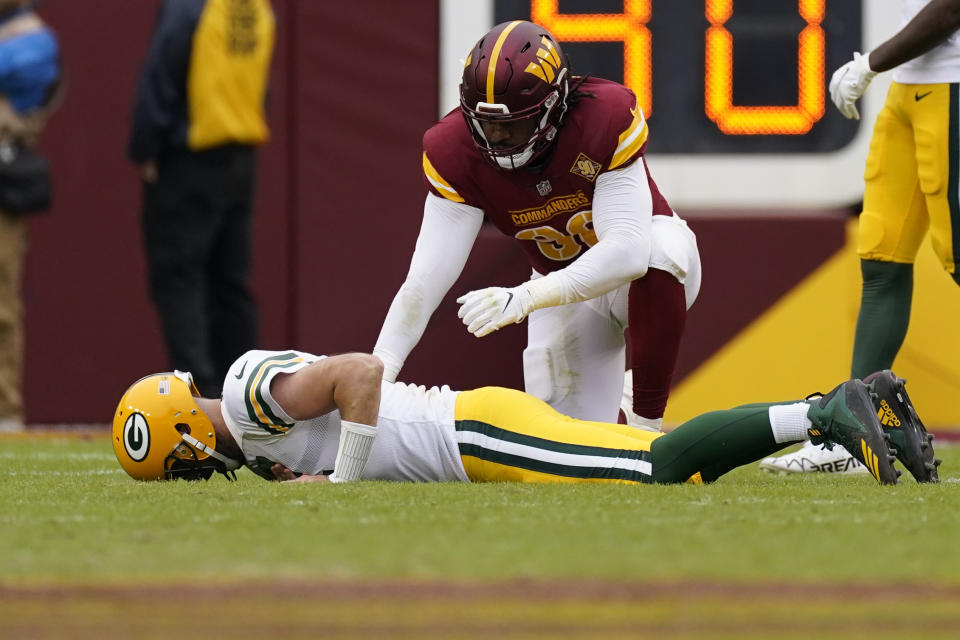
(290, 415)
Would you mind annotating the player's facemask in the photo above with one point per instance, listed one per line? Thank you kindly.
(536, 119)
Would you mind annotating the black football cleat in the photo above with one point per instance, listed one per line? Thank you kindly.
(846, 416)
(899, 420)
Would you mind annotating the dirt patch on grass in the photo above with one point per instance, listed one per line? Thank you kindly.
(511, 609)
(521, 589)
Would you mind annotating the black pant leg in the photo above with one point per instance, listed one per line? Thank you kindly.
(233, 312)
(178, 226)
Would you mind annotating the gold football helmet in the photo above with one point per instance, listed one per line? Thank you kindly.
(159, 432)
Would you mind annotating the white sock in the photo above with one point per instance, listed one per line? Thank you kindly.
(789, 422)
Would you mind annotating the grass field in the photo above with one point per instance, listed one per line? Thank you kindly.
(752, 555)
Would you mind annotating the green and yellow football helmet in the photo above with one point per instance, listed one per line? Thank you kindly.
(159, 432)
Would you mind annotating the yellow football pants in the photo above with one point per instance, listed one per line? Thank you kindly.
(509, 436)
(912, 176)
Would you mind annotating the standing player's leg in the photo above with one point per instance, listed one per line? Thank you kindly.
(894, 221)
(938, 155)
(574, 359)
(891, 227)
(233, 312)
(178, 227)
(13, 247)
(884, 315)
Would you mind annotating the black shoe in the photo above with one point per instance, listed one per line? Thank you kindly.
(914, 446)
(846, 416)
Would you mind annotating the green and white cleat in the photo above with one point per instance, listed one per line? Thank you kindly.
(846, 416)
(812, 458)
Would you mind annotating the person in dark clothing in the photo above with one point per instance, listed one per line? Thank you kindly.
(198, 117)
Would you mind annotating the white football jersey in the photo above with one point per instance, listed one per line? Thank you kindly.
(940, 64)
(415, 430)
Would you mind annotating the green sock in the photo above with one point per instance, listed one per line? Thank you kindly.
(884, 315)
(714, 443)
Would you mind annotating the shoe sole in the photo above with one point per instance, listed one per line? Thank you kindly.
(793, 472)
(846, 467)
(895, 411)
(870, 448)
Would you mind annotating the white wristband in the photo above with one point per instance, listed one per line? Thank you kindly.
(356, 441)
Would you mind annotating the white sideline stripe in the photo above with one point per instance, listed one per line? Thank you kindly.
(553, 457)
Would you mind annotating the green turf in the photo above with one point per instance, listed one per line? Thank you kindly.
(70, 514)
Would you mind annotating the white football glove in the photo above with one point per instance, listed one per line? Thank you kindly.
(849, 82)
(486, 310)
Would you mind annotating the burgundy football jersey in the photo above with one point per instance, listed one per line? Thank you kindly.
(549, 210)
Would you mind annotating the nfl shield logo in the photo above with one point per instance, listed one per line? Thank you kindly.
(543, 188)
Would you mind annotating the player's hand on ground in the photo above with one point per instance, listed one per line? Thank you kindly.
(486, 310)
(281, 473)
(848, 84)
(306, 477)
(286, 476)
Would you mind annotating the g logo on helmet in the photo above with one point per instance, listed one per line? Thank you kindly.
(136, 437)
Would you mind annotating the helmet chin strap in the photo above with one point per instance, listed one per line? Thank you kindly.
(229, 463)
